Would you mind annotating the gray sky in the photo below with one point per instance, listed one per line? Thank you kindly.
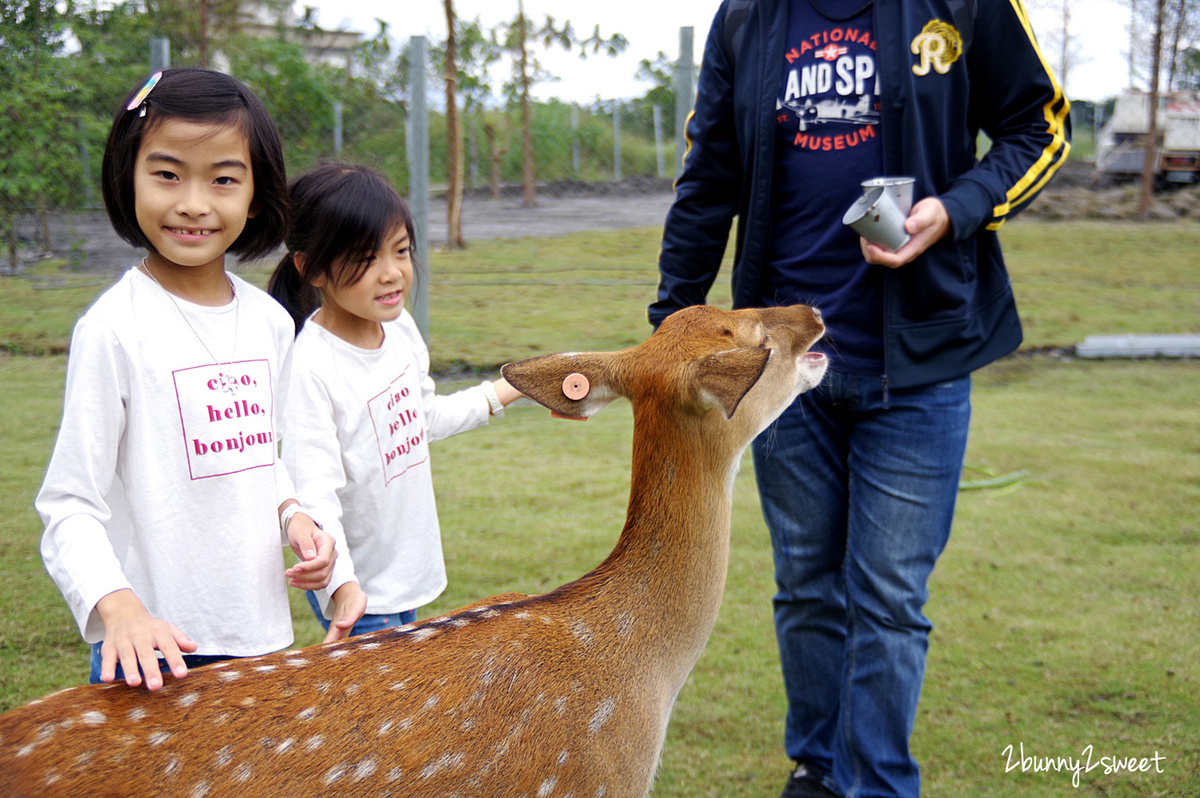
(1100, 27)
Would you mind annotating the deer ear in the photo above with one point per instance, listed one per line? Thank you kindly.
(575, 385)
(726, 377)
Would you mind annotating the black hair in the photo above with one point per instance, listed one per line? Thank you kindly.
(204, 96)
(342, 214)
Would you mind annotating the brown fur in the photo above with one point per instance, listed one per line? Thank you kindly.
(567, 693)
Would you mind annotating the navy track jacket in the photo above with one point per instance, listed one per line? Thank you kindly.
(951, 310)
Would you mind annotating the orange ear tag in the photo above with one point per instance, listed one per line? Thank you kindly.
(576, 386)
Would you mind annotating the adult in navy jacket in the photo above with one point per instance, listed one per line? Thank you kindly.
(797, 102)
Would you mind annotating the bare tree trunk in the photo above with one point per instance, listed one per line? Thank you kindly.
(528, 197)
(204, 33)
(494, 156)
(1064, 57)
(454, 171)
(1151, 161)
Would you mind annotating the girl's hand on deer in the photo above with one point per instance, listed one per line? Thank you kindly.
(132, 637)
(349, 604)
(314, 546)
(926, 224)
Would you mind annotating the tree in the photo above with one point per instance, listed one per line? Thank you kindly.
(39, 124)
(515, 37)
(1060, 37)
(454, 167)
(1151, 159)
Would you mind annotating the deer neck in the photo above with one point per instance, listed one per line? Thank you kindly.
(668, 569)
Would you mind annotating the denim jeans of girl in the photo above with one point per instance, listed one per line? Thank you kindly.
(367, 623)
(858, 490)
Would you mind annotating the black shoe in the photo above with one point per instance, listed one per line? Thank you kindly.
(806, 782)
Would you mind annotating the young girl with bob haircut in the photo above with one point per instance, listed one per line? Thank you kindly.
(164, 501)
(361, 409)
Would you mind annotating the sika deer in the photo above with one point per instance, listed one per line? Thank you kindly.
(563, 694)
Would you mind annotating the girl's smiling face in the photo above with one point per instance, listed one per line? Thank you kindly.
(354, 310)
(193, 191)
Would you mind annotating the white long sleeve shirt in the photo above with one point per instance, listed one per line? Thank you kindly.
(356, 435)
(164, 482)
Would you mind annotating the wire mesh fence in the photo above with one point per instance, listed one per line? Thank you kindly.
(332, 95)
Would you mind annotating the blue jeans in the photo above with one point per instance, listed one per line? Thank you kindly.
(367, 623)
(858, 491)
(191, 660)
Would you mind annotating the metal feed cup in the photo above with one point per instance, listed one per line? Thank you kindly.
(901, 189)
(876, 217)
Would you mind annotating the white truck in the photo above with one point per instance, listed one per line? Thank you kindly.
(1120, 145)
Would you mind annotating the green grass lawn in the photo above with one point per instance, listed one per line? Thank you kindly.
(1065, 607)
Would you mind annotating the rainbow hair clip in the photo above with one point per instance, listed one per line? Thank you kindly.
(143, 92)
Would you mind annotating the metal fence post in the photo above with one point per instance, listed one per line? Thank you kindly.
(337, 128)
(685, 91)
(418, 176)
(617, 141)
(575, 170)
(160, 54)
(658, 141)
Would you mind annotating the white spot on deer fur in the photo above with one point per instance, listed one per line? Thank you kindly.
(604, 711)
(188, 700)
(224, 756)
(296, 663)
(394, 774)
(365, 769)
(522, 615)
(385, 727)
(370, 646)
(173, 765)
(323, 687)
(199, 791)
(602, 791)
(265, 668)
(285, 746)
(430, 703)
(314, 742)
(93, 718)
(308, 714)
(406, 724)
(335, 773)
(426, 633)
(158, 738)
(560, 705)
(444, 762)
(229, 676)
(625, 623)
(243, 773)
(562, 758)
(547, 787)
(398, 686)
(136, 714)
(339, 653)
(582, 632)
(26, 750)
(216, 666)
